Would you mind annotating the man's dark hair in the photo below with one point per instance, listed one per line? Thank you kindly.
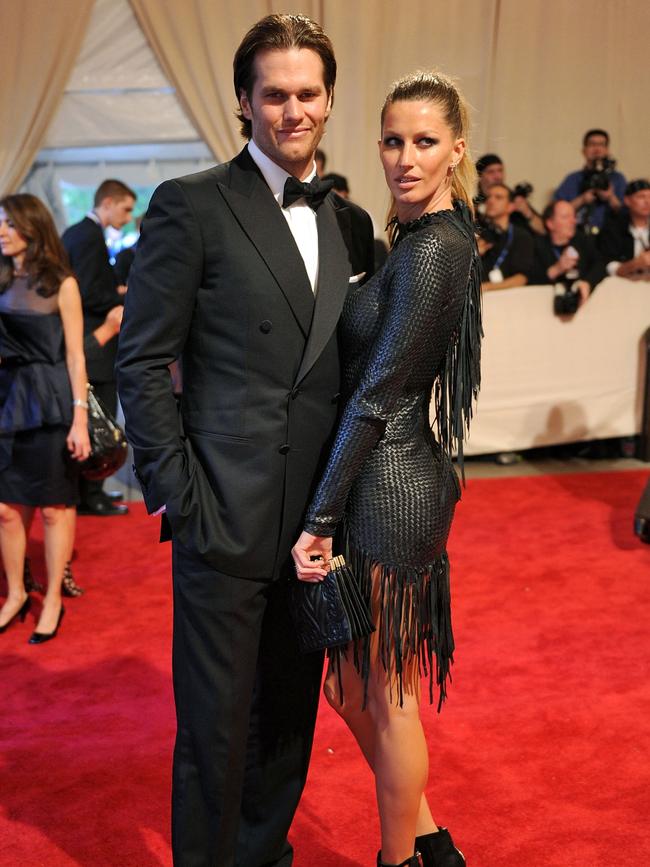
(322, 156)
(590, 132)
(340, 182)
(549, 211)
(487, 160)
(112, 189)
(505, 187)
(279, 32)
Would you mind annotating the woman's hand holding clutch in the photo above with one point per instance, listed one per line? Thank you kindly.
(311, 555)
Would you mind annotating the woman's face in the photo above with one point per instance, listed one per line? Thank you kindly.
(11, 242)
(417, 150)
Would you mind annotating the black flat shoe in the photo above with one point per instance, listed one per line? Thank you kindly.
(21, 614)
(438, 850)
(42, 637)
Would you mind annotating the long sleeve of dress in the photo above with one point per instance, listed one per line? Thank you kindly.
(421, 311)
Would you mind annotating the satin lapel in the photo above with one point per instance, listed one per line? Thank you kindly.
(333, 281)
(257, 212)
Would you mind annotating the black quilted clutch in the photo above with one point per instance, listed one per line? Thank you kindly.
(330, 613)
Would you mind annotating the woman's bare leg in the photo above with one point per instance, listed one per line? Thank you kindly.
(392, 741)
(56, 524)
(14, 520)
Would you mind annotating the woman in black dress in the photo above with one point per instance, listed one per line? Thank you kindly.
(389, 488)
(43, 408)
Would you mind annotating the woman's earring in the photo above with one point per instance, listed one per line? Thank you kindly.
(453, 167)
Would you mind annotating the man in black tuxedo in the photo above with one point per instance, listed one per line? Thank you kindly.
(244, 278)
(86, 248)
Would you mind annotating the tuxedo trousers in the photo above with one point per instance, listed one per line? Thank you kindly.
(246, 703)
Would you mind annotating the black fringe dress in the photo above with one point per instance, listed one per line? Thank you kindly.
(411, 332)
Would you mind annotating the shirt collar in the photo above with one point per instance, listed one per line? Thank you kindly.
(273, 174)
(93, 216)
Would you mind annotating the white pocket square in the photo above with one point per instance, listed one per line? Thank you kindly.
(357, 277)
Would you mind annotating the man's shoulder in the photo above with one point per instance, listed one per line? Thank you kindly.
(84, 228)
(356, 213)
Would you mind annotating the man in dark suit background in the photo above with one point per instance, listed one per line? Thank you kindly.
(86, 248)
(625, 239)
(243, 275)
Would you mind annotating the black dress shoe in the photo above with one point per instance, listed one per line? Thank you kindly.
(102, 508)
(42, 637)
(438, 850)
(21, 614)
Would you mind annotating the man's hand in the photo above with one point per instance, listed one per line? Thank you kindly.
(121, 289)
(567, 260)
(521, 204)
(308, 547)
(584, 289)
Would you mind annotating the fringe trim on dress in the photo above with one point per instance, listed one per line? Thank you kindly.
(414, 622)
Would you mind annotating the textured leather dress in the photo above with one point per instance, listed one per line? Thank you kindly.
(409, 335)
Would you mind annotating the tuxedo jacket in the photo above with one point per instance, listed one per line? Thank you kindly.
(86, 248)
(219, 281)
(614, 241)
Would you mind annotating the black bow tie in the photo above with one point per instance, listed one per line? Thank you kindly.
(313, 193)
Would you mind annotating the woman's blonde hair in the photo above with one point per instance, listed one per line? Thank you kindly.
(441, 90)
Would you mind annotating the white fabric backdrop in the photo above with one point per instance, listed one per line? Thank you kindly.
(547, 380)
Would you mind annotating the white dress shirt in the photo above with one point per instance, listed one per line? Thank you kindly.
(300, 217)
(641, 243)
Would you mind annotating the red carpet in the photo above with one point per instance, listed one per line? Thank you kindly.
(539, 759)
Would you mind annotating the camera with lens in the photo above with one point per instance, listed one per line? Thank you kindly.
(566, 299)
(523, 189)
(598, 177)
(490, 232)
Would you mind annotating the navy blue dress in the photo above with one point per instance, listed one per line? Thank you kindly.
(35, 401)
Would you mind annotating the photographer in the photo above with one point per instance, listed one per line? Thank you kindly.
(506, 249)
(566, 257)
(490, 170)
(597, 190)
(624, 242)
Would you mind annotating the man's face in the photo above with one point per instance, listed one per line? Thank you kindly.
(639, 205)
(493, 174)
(120, 211)
(596, 148)
(288, 107)
(562, 224)
(497, 203)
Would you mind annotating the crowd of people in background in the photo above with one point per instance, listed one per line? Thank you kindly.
(595, 225)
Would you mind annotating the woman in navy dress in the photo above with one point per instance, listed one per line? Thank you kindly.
(43, 407)
(389, 489)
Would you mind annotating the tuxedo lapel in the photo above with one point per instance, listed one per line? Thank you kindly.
(333, 276)
(257, 212)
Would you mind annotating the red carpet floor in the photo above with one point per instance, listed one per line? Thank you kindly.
(541, 757)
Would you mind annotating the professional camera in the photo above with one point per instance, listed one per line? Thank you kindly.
(523, 189)
(566, 299)
(598, 177)
(490, 232)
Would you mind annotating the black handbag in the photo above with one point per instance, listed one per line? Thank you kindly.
(331, 612)
(108, 446)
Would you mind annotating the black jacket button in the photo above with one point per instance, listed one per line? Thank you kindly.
(266, 326)
(294, 393)
(284, 449)
(336, 397)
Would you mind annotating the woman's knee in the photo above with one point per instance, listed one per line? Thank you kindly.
(52, 515)
(8, 514)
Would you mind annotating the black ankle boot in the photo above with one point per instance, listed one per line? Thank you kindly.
(413, 861)
(438, 850)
